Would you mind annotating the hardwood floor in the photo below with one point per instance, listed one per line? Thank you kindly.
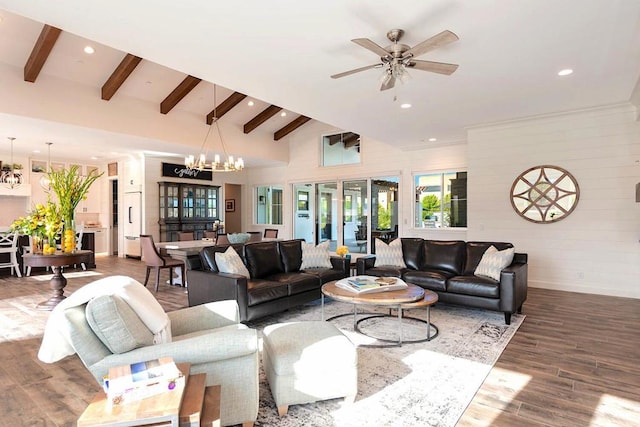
(575, 361)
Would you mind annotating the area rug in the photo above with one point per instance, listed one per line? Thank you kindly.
(422, 384)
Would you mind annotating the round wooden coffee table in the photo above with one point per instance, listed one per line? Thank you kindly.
(412, 297)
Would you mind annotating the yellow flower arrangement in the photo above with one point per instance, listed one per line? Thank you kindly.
(70, 187)
(43, 221)
(342, 250)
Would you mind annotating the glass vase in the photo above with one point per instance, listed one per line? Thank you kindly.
(37, 244)
(68, 239)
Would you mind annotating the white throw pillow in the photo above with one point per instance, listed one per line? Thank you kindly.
(230, 262)
(389, 254)
(493, 262)
(315, 256)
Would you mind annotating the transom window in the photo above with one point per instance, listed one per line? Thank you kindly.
(340, 149)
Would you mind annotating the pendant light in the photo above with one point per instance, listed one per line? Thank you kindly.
(11, 178)
(45, 181)
(227, 163)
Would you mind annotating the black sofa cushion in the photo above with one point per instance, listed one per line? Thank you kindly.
(478, 286)
(262, 259)
(325, 274)
(297, 282)
(386, 271)
(261, 291)
(448, 255)
(413, 252)
(475, 250)
(291, 255)
(435, 280)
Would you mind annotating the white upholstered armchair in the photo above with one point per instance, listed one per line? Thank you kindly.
(113, 322)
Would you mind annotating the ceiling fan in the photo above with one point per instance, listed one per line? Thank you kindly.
(397, 57)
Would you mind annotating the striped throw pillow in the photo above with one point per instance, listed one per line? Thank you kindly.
(230, 262)
(389, 254)
(493, 262)
(315, 256)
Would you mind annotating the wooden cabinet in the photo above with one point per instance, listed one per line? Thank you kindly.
(187, 207)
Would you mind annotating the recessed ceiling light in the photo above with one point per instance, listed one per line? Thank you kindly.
(565, 72)
(250, 103)
(405, 105)
(89, 50)
(433, 139)
(94, 158)
(283, 114)
(36, 151)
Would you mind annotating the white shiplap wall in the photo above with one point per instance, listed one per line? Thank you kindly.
(596, 248)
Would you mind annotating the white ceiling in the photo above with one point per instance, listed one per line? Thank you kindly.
(283, 51)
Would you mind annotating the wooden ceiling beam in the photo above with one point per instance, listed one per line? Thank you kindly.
(265, 115)
(41, 50)
(234, 99)
(287, 129)
(118, 77)
(351, 139)
(182, 90)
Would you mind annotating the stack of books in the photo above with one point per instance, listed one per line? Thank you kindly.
(369, 284)
(140, 380)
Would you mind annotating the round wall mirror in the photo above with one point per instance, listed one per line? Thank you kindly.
(544, 194)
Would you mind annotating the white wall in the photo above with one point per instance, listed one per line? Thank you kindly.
(378, 160)
(596, 248)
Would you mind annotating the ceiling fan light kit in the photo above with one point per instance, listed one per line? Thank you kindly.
(396, 58)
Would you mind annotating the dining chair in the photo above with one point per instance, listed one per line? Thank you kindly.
(254, 236)
(152, 258)
(271, 233)
(209, 235)
(9, 245)
(185, 235)
(222, 239)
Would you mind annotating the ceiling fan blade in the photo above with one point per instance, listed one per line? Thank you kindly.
(434, 42)
(388, 82)
(434, 67)
(357, 70)
(373, 47)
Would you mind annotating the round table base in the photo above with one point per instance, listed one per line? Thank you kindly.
(432, 331)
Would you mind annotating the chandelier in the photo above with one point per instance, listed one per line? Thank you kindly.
(45, 181)
(11, 178)
(227, 163)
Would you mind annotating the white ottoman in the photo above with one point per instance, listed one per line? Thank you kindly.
(308, 361)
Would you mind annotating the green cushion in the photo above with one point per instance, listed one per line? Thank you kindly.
(116, 324)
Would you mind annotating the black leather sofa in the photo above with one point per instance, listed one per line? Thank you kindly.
(276, 283)
(447, 268)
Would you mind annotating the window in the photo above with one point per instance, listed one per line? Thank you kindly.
(269, 205)
(441, 200)
(340, 149)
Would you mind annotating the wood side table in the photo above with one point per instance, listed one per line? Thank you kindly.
(190, 405)
(56, 261)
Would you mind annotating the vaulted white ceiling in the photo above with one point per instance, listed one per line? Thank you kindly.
(282, 52)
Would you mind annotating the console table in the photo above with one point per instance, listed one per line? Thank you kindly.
(56, 261)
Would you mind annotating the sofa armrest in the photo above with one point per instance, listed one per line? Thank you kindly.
(513, 287)
(203, 348)
(341, 264)
(205, 316)
(364, 263)
(209, 286)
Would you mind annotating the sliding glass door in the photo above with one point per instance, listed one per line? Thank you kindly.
(354, 215)
(327, 213)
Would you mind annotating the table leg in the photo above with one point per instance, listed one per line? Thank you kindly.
(400, 325)
(322, 307)
(57, 283)
(428, 323)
